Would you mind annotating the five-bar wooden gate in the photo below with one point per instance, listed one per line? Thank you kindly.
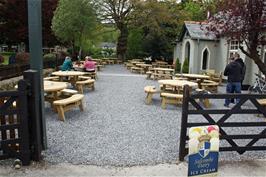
(192, 107)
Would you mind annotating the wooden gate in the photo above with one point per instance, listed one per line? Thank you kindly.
(192, 107)
(14, 130)
(21, 129)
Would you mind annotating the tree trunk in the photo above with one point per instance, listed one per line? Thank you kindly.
(80, 52)
(122, 43)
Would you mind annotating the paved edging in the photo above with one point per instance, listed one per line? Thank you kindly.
(239, 168)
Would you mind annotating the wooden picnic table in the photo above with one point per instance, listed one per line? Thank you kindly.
(177, 84)
(164, 73)
(199, 77)
(51, 86)
(73, 74)
(144, 66)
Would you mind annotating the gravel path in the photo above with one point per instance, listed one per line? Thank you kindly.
(118, 129)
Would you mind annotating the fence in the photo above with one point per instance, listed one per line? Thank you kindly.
(14, 70)
(190, 100)
(21, 132)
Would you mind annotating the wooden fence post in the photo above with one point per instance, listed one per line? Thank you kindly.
(35, 114)
(24, 129)
(183, 132)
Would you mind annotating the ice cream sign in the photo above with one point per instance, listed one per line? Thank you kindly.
(203, 150)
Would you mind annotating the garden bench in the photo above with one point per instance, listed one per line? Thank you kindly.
(119, 62)
(148, 73)
(84, 77)
(137, 70)
(68, 103)
(150, 90)
(99, 67)
(210, 86)
(92, 75)
(68, 92)
(171, 98)
(262, 102)
(86, 83)
(205, 102)
(129, 65)
(53, 78)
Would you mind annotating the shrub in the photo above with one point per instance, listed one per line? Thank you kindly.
(177, 66)
(49, 57)
(185, 68)
(2, 59)
(22, 57)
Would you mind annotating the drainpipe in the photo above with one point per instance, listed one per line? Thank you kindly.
(198, 41)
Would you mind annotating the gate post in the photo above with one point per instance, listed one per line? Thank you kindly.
(183, 132)
(37, 132)
(24, 130)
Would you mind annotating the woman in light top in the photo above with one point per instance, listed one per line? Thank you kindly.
(89, 65)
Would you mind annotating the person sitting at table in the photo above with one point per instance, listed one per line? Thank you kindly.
(67, 65)
(89, 65)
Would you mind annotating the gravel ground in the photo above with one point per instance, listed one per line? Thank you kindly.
(119, 129)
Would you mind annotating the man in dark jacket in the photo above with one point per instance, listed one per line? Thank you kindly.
(234, 74)
(243, 67)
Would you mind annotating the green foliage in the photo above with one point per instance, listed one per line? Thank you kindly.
(177, 66)
(7, 53)
(185, 68)
(74, 21)
(2, 59)
(195, 11)
(135, 48)
(49, 57)
(5, 59)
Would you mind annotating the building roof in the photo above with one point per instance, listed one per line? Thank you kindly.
(197, 30)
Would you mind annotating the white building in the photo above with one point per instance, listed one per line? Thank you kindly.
(205, 51)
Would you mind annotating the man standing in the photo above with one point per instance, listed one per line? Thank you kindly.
(234, 74)
(243, 67)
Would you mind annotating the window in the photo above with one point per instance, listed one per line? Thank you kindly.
(205, 59)
(234, 45)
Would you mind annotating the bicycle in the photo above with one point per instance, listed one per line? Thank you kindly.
(259, 85)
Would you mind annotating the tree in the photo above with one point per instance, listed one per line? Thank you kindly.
(14, 21)
(74, 22)
(185, 67)
(119, 13)
(245, 21)
(135, 45)
(159, 23)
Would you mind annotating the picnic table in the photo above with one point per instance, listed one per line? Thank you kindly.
(176, 84)
(72, 74)
(162, 73)
(144, 66)
(199, 77)
(52, 90)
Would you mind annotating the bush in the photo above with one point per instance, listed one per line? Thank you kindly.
(177, 66)
(185, 68)
(8, 53)
(2, 59)
(49, 57)
(22, 57)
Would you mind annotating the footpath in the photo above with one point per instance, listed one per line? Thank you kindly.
(239, 168)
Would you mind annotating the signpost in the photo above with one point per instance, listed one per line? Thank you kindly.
(36, 58)
(203, 150)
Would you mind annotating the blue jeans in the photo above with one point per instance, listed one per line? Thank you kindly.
(232, 87)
